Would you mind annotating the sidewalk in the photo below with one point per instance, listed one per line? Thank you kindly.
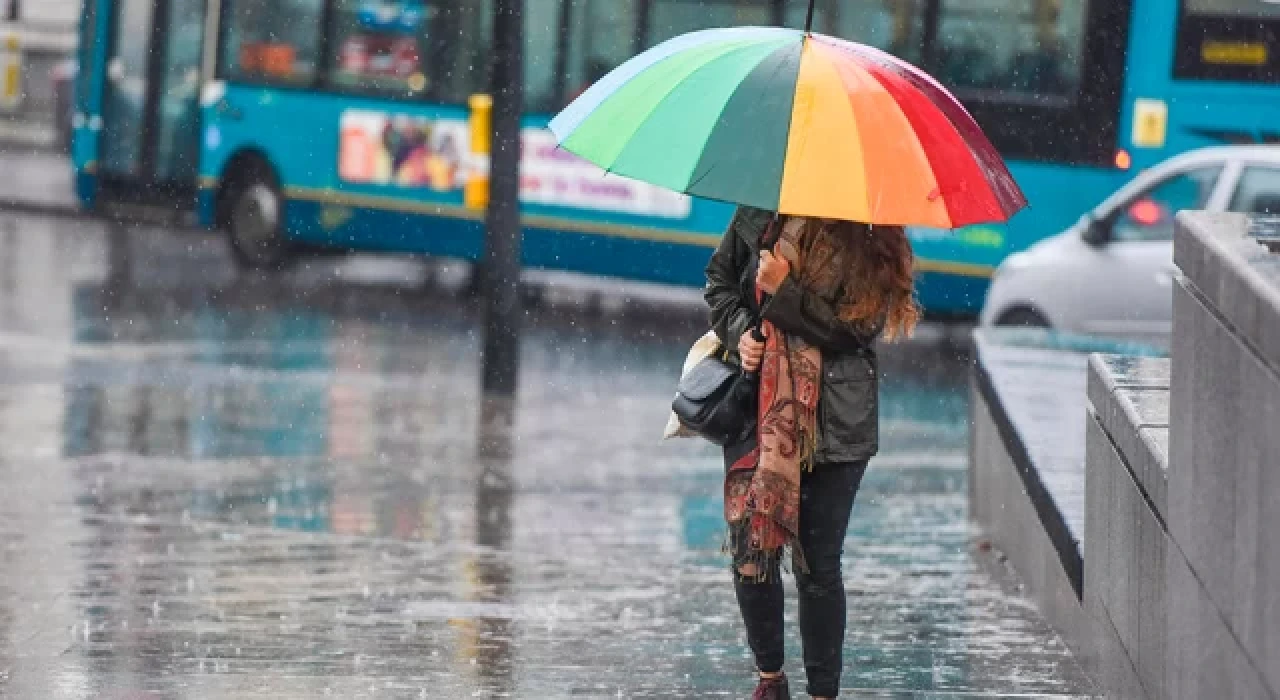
(37, 183)
(220, 487)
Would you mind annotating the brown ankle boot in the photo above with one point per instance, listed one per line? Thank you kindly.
(775, 688)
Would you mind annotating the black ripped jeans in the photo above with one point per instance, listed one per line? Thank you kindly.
(826, 501)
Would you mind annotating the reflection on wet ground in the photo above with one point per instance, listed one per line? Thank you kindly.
(219, 487)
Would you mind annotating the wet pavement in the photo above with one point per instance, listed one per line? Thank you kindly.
(224, 486)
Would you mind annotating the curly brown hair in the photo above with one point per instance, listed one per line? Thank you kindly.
(879, 278)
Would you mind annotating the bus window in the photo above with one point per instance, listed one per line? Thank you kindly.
(671, 18)
(1042, 77)
(544, 62)
(1229, 40)
(601, 37)
(896, 26)
(460, 32)
(378, 46)
(408, 48)
(271, 41)
(1028, 49)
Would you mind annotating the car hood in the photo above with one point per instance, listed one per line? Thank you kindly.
(1051, 249)
(1054, 245)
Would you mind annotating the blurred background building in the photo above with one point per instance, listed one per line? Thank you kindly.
(43, 34)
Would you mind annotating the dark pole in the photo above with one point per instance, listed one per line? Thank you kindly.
(15, 10)
(808, 20)
(501, 271)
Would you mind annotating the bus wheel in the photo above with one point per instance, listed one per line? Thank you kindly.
(255, 224)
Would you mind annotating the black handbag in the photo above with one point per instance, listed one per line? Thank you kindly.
(716, 398)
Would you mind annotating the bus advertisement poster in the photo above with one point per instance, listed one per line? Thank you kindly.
(416, 153)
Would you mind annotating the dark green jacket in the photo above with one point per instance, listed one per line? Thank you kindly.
(848, 403)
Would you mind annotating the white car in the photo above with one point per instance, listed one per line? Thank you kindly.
(1112, 273)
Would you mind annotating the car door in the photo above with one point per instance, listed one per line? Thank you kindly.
(1129, 281)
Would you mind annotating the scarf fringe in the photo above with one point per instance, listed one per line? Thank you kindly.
(766, 562)
(808, 448)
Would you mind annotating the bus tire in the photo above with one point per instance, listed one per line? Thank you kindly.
(253, 214)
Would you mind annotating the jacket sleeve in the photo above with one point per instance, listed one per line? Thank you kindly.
(797, 310)
(730, 314)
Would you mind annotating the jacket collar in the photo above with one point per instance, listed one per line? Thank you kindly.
(751, 226)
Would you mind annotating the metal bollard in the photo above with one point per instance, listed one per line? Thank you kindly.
(10, 73)
(475, 195)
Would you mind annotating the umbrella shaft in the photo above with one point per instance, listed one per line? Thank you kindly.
(808, 20)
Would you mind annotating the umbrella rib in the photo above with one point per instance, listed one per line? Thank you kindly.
(791, 122)
(703, 176)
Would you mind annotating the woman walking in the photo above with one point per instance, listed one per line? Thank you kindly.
(826, 292)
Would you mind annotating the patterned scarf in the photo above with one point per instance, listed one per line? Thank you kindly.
(762, 489)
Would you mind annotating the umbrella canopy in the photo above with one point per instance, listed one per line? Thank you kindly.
(794, 122)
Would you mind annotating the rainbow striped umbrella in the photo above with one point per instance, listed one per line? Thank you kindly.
(793, 122)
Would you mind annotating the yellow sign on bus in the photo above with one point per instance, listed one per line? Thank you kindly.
(1233, 53)
(1150, 123)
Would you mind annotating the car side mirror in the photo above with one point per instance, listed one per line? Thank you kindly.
(1094, 232)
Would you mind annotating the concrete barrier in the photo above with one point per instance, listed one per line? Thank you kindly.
(1177, 569)
(1027, 467)
(1126, 479)
(1181, 559)
(1223, 566)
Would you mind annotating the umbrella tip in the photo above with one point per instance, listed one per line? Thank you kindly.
(808, 20)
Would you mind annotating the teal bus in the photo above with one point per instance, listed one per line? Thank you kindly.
(345, 124)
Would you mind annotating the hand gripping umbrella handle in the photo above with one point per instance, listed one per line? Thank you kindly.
(767, 240)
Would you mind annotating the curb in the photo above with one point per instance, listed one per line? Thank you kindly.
(48, 209)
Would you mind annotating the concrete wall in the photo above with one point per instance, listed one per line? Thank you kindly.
(1181, 533)
(1125, 539)
(999, 503)
(1223, 568)
(1182, 555)
(1026, 473)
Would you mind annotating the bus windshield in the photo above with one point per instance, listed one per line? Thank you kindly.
(1255, 9)
(1233, 40)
